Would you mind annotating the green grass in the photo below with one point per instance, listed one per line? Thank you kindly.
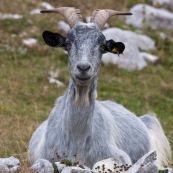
(26, 96)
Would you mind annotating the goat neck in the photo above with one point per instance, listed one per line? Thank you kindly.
(80, 103)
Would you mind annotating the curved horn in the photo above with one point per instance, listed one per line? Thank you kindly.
(72, 15)
(100, 16)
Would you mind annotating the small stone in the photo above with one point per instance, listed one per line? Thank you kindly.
(30, 42)
(9, 165)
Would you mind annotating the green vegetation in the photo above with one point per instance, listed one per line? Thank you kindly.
(26, 96)
(163, 171)
(66, 162)
(55, 168)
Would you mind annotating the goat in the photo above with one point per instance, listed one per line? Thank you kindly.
(80, 127)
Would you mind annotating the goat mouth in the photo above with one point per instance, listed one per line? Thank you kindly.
(83, 78)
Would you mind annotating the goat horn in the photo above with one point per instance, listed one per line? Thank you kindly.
(100, 16)
(72, 15)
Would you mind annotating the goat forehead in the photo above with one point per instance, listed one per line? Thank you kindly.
(85, 32)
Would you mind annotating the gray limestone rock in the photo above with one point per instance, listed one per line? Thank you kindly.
(74, 169)
(168, 4)
(9, 165)
(143, 165)
(148, 16)
(42, 166)
(132, 58)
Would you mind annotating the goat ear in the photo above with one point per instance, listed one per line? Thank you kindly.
(114, 47)
(53, 39)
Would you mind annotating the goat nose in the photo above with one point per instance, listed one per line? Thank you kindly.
(83, 67)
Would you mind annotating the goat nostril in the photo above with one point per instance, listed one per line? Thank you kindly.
(83, 67)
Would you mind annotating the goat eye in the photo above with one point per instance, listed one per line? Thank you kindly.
(103, 46)
(67, 43)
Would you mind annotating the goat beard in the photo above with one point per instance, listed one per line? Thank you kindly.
(82, 96)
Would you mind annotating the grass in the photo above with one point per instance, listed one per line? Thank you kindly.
(26, 96)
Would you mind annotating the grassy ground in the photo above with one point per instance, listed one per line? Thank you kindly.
(26, 96)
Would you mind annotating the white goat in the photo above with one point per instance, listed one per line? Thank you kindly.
(82, 128)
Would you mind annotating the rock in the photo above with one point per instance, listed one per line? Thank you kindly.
(132, 58)
(163, 36)
(10, 16)
(164, 4)
(56, 81)
(148, 16)
(148, 168)
(149, 58)
(109, 165)
(29, 42)
(46, 5)
(63, 26)
(60, 166)
(145, 164)
(35, 11)
(9, 165)
(42, 166)
(131, 38)
(160, 2)
(53, 75)
(74, 169)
